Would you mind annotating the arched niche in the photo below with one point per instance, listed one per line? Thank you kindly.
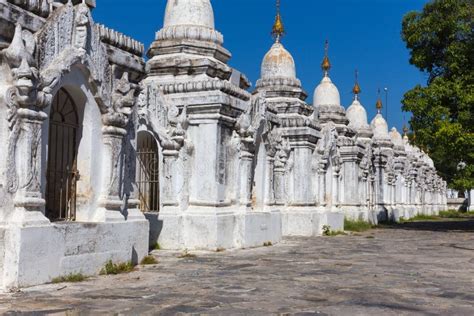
(148, 171)
(88, 144)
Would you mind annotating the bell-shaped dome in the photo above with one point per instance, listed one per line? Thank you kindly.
(380, 127)
(357, 116)
(430, 162)
(427, 159)
(189, 12)
(397, 138)
(407, 145)
(326, 93)
(278, 63)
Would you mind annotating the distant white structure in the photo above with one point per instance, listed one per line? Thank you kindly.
(470, 201)
(103, 154)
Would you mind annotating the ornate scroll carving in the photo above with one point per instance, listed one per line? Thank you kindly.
(24, 115)
(162, 119)
(328, 146)
(68, 38)
(251, 121)
(123, 100)
(40, 7)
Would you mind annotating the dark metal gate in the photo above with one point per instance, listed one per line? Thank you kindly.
(148, 173)
(62, 172)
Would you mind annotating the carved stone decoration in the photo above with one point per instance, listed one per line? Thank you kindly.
(163, 120)
(331, 151)
(364, 165)
(252, 119)
(82, 27)
(40, 7)
(70, 38)
(168, 124)
(24, 104)
(21, 94)
(281, 168)
(123, 100)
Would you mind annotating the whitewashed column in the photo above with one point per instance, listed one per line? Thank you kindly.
(24, 171)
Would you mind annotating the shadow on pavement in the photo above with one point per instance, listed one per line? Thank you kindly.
(444, 225)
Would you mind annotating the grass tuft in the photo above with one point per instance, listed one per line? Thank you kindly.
(357, 226)
(148, 260)
(420, 217)
(117, 268)
(337, 233)
(187, 255)
(331, 233)
(456, 214)
(70, 278)
(267, 244)
(155, 246)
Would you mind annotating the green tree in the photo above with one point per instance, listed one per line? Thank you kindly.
(441, 43)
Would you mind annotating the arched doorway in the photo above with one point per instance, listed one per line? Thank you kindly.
(62, 172)
(148, 174)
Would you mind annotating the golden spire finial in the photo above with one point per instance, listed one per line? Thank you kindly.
(405, 130)
(356, 90)
(326, 64)
(278, 28)
(379, 104)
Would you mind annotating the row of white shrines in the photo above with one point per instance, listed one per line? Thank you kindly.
(94, 142)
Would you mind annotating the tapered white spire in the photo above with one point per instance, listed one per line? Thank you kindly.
(326, 93)
(189, 12)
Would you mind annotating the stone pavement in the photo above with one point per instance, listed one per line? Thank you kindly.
(410, 269)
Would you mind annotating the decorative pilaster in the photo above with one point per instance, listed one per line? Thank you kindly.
(25, 171)
(246, 165)
(351, 157)
(19, 91)
(170, 190)
(111, 202)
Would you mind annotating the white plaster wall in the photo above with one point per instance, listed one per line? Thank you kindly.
(38, 254)
(308, 222)
(2, 255)
(302, 188)
(470, 206)
(204, 186)
(89, 161)
(209, 228)
(259, 228)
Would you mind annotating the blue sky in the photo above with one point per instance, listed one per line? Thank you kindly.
(363, 34)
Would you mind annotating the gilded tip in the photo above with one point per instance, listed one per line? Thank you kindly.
(379, 105)
(278, 30)
(326, 64)
(356, 90)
